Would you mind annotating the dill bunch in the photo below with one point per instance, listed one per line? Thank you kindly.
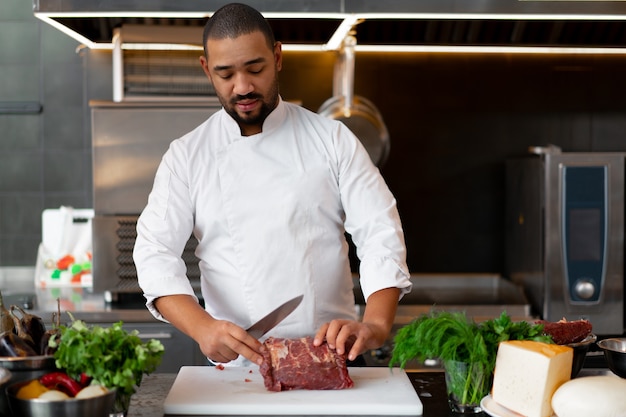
(452, 336)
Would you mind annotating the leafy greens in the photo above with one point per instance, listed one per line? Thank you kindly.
(451, 336)
(112, 356)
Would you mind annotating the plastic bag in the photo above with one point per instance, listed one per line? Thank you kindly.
(64, 257)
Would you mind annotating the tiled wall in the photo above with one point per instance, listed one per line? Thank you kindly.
(44, 157)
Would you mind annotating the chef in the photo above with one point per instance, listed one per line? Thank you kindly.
(269, 190)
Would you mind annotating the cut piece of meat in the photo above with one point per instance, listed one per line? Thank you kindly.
(290, 364)
(564, 332)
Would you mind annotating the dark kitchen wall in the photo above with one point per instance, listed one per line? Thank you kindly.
(453, 120)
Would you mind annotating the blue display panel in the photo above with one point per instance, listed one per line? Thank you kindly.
(585, 220)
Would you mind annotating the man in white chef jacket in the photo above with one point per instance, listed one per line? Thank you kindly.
(269, 189)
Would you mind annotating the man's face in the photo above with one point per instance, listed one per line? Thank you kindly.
(244, 73)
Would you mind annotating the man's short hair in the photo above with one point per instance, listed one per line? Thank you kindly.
(234, 20)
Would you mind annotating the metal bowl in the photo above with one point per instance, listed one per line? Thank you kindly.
(580, 352)
(5, 376)
(28, 363)
(23, 369)
(615, 354)
(100, 406)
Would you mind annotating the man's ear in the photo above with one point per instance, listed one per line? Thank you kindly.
(278, 55)
(205, 67)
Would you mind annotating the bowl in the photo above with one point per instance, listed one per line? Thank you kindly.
(23, 369)
(580, 352)
(615, 354)
(100, 406)
(5, 377)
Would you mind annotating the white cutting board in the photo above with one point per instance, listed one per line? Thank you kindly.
(206, 390)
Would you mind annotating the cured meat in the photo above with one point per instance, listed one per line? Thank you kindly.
(296, 364)
(564, 332)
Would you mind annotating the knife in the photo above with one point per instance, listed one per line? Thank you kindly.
(268, 322)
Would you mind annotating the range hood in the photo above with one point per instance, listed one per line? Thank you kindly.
(323, 24)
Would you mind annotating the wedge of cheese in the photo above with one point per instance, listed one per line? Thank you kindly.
(528, 373)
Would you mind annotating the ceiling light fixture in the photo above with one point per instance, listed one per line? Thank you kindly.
(349, 20)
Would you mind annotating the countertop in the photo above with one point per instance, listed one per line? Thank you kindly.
(18, 287)
(429, 385)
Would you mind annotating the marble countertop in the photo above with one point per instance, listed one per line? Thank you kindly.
(149, 398)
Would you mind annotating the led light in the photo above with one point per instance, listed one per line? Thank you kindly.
(185, 15)
(80, 38)
(344, 28)
(161, 46)
(335, 41)
(464, 49)
(490, 16)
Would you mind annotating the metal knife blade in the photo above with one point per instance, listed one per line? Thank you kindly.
(270, 321)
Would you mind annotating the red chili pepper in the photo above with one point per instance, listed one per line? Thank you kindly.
(84, 380)
(62, 382)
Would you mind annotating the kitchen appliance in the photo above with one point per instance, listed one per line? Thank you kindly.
(129, 139)
(270, 321)
(240, 391)
(359, 114)
(565, 234)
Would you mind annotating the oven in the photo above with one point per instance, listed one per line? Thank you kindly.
(129, 140)
(565, 234)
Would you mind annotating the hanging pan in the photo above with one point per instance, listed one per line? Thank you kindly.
(357, 113)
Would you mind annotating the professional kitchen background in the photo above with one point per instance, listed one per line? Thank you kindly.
(453, 120)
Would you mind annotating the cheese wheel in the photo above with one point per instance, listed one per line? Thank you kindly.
(597, 396)
(527, 373)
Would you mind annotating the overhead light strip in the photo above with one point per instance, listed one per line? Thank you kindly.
(464, 49)
(460, 49)
(352, 16)
(71, 33)
(490, 16)
(187, 47)
(349, 20)
(335, 41)
(188, 15)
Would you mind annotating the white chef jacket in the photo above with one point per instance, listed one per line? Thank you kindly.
(269, 212)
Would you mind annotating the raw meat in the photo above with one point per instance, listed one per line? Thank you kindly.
(564, 332)
(296, 364)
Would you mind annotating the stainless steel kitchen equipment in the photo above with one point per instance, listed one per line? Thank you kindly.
(565, 234)
(129, 140)
(22, 369)
(358, 113)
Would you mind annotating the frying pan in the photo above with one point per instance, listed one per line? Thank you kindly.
(357, 113)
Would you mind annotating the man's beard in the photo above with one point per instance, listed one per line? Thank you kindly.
(249, 119)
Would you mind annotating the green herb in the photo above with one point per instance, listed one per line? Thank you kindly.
(451, 336)
(112, 356)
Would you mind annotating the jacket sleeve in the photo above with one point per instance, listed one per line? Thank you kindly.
(163, 229)
(372, 217)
